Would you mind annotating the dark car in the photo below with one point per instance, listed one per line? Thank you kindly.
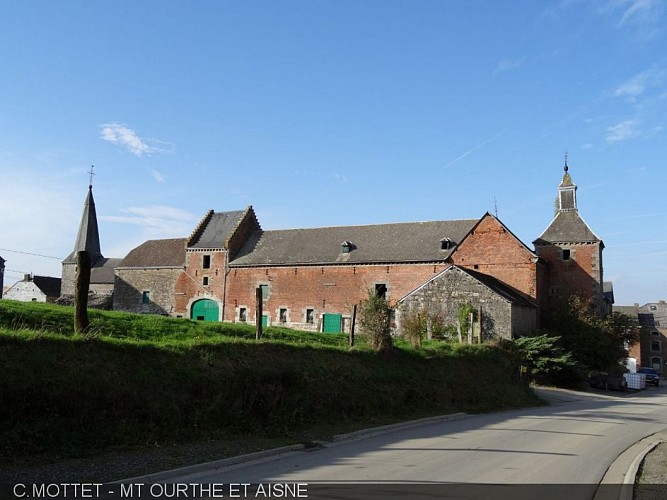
(652, 375)
(603, 380)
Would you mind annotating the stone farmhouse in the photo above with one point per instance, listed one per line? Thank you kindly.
(312, 278)
(651, 351)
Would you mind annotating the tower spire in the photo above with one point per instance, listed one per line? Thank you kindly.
(566, 168)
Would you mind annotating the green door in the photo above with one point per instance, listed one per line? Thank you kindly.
(265, 320)
(205, 310)
(331, 323)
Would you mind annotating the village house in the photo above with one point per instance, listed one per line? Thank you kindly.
(34, 289)
(651, 351)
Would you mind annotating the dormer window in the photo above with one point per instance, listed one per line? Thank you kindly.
(346, 247)
(446, 244)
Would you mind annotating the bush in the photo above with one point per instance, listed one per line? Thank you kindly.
(374, 319)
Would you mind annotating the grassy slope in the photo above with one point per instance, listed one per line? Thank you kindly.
(145, 379)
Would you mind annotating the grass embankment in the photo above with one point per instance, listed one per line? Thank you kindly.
(145, 379)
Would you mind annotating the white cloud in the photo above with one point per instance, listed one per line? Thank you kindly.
(637, 11)
(622, 131)
(158, 220)
(507, 64)
(156, 174)
(638, 84)
(116, 133)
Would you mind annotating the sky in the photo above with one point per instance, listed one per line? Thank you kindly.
(333, 113)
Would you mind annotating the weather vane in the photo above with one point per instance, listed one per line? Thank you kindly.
(91, 175)
(565, 167)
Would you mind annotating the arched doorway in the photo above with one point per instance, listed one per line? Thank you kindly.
(205, 310)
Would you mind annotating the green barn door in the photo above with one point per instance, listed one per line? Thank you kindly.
(265, 320)
(205, 310)
(331, 323)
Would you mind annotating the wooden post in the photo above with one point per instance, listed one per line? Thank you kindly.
(354, 322)
(258, 313)
(471, 319)
(81, 287)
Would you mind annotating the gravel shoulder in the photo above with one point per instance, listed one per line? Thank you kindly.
(651, 481)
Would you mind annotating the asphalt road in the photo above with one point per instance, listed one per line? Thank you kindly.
(571, 442)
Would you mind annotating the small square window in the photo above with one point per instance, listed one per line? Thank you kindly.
(206, 262)
(146, 297)
(381, 290)
(243, 314)
(205, 280)
(566, 254)
(283, 315)
(310, 316)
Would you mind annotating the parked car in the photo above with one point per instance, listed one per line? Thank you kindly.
(603, 380)
(652, 375)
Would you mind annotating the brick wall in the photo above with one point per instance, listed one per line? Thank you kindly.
(491, 249)
(325, 289)
(581, 274)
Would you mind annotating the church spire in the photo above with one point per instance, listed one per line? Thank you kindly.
(88, 237)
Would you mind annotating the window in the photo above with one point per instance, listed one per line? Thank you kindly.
(265, 291)
(446, 244)
(146, 297)
(205, 280)
(243, 314)
(283, 315)
(310, 316)
(653, 308)
(206, 262)
(655, 333)
(566, 254)
(655, 345)
(381, 290)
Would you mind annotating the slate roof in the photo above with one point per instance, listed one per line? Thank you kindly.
(568, 227)
(219, 227)
(497, 286)
(381, 243)
(88, 237)
(102, 271)
(157, 253)
(48, 285)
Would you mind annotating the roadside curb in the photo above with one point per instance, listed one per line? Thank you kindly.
(165, 476)
(623, 471)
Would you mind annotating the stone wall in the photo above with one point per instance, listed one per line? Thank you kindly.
(444, 294)
(159, 283)
(26, 291)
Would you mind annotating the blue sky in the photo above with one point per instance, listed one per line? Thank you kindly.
(322, 113)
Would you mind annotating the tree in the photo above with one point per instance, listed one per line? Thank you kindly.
(374, 319)
(544, 358)
(595, 343)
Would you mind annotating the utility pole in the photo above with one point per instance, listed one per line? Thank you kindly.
(81, 287)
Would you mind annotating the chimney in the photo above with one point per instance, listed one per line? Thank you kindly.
(27, 277)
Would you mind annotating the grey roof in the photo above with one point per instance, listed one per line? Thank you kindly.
(497, 286)
(157, 253)
(102, 271)
(381, 243)
(567, 227)
(88, 237)
(48, 285)
(631, 311)
(218, 228)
